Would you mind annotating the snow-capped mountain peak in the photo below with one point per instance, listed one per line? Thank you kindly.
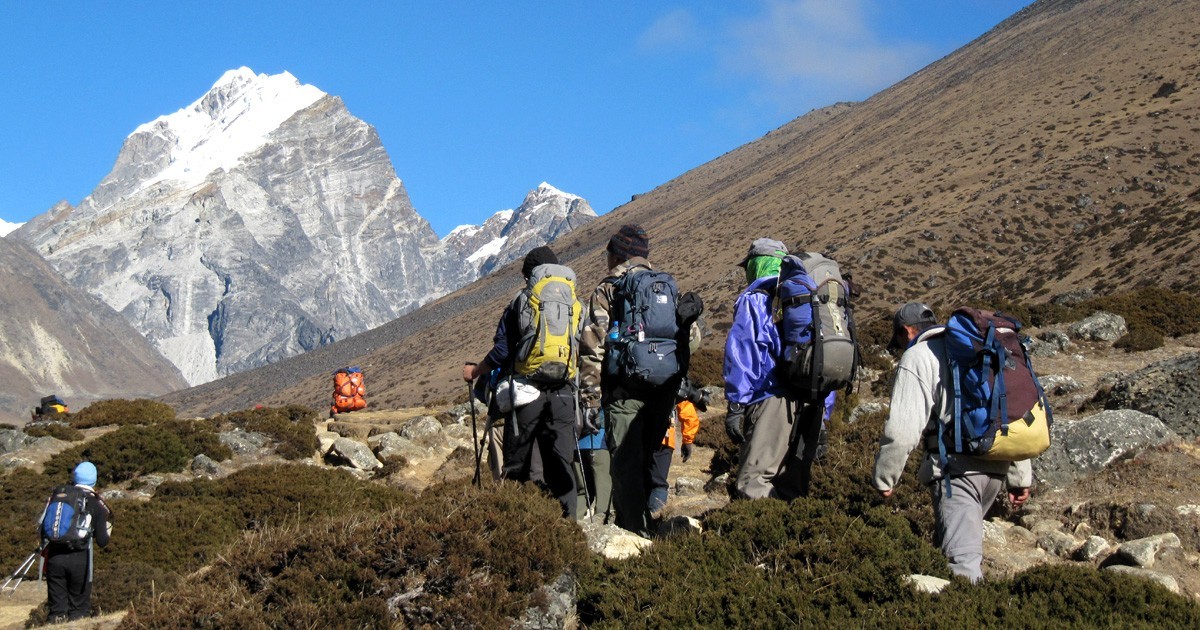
(6, 227)
(546, 189)
(232, 119)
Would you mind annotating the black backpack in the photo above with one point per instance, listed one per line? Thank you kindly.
(642, 347)
(66, 520)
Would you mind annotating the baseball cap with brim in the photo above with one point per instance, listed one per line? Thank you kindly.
(764, 247)
(911, 314)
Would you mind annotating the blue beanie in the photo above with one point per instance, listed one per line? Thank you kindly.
(85, 474)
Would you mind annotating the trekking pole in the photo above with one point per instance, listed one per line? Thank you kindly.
(22, 571)
(474, 428)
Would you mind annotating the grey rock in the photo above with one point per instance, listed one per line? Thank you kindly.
(1163, 579)
(688, 486)
(557, 609)
(1039, 348)
(15, 460)
(1092, 549)
(325, 440)
(1059, 544)
(46, 444)
(388, 445)
(203, 465)
(1100, 326)
(1168, 389)
(995, 533)
(863, 410)
(243, 442)
(460, 432)
(12, 440)
(1188, 510)
(1057, 385)
(926, 583)
(1022, 535)
(1073, 297)
(1144, 551)
(353, 453)
(611, 541)
(1088, 445)
(1044, 525)
(424, 430)
(1060, 340)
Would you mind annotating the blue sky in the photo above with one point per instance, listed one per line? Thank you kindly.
(476, 102)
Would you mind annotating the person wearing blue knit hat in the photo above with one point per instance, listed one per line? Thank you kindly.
(75, 517)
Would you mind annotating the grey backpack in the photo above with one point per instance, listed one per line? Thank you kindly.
(820, 351)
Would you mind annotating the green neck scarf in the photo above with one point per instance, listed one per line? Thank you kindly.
(761, 267)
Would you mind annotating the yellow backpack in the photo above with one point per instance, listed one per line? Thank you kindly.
(549, 317)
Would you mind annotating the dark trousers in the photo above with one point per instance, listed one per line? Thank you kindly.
(660, 467)
(635, 431)
(548, 422)
(68, 590)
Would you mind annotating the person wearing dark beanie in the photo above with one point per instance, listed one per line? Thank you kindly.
(531, 366)
(629, 242)
(538, 256)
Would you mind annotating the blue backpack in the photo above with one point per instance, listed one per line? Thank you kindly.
(642, 346)
(1000, 411)
(66, 519)
(816, 327)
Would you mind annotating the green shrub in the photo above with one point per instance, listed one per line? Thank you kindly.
(291, 427)
(460, 557)
(121, 412)
(134, 450)
(1140, 339)
(63, 432)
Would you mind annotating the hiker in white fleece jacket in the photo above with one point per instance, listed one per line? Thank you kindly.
(920, 404)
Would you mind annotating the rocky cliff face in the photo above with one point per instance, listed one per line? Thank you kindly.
(262, 221)
(544, 215)
(55, 338)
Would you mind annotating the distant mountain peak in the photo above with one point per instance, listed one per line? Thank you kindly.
(232, 119)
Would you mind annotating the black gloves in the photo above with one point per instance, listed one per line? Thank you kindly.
(685, 450)
(733, 422)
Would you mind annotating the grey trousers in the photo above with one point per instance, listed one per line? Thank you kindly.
(776, 458)
(959, 517)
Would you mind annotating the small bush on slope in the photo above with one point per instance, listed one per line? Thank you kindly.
(134, 450)
(63, 432)
(291, 427)
(121, 412)
(458, 557)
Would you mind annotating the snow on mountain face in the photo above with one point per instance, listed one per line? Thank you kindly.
(264, 221)
(232, 119)
(544, 215)
(6, 227)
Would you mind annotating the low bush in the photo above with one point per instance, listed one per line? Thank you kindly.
(136, 450)
(460, 557)
(707, 364)
(291, 427)
(1140, 339)
(55, 430)
(121, 412)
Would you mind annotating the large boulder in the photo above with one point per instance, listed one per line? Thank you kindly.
(354, 453)
(12, 440)
(1168, 389)
(391, 444)
(1100, 326)
(243, 442)
(1088, 445)
(424, 430)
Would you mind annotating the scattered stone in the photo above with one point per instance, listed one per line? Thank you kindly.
(1018, 534)
(926, 583)
(204, 466)
(1088, 445)
(1084, 530)
(461, 432)
(388, 445)
(688, 486)
(1060, 544)
(1188, 510)
(1073, 297)
(354, 453)
(679, 525)
(243, 442)
(1166, 581)
(1058, 339)
(864, 410)
(994, 534)
(325, 440)
(423, 430)
(611, 541)
(718, 483)
(1099, 326)
(1143, 551)
(1058, 385)
(557, 609)
(14, 460)
(1092, 549)
(12, 440)
(1042, 526)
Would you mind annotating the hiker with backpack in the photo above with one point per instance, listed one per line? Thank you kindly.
(686, 422)
(967, 393)
(537, 346)
(632, 359)
(73, 522)
(771, 412)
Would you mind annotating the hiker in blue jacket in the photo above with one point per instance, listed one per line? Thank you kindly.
(69, 568)
(778, 434)
(920, 405)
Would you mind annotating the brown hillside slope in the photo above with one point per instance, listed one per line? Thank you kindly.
(1060, 150)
